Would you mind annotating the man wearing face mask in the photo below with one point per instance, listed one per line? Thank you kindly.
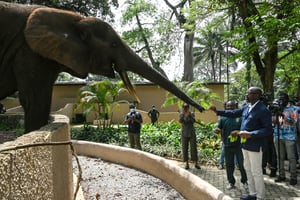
(287, 122)
(256, 126)
(188, 136)
(134, 120)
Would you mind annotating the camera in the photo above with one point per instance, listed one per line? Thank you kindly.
(132, 116)
(276, 107)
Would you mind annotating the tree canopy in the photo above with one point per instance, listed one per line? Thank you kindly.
(100, 8)
(215, 36)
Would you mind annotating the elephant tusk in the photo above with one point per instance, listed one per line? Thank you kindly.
(129, 86)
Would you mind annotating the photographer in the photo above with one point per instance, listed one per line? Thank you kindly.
(286, 124)
(188, 136)
(134, 120)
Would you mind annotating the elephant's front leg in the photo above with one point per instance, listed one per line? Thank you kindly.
(35, 77)
(36, 104)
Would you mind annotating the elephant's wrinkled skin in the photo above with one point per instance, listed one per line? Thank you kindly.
(36, 43)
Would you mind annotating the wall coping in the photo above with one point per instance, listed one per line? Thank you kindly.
(189, 185)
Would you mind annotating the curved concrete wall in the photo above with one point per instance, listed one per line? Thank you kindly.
(189, 185)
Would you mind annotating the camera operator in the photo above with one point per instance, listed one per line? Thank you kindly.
(134, 120)
(269, 155)
(286, 124)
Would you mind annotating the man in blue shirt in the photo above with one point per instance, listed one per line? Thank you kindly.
(232, 145)
(286, 124)
(256, 126)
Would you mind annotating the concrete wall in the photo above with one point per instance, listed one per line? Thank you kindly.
(149, 95)
(39, 172)
(189, 185)
(65, 96)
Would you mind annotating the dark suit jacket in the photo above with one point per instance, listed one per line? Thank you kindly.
(258, 122)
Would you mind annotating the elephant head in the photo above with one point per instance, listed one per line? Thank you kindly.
(89, 45)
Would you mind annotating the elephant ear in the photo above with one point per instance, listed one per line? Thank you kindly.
(54, 34)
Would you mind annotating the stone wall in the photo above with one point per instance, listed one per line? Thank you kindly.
(38, 165)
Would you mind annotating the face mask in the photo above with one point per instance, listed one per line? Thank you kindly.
(132, 110)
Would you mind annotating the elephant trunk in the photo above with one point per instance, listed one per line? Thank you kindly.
(143, 69)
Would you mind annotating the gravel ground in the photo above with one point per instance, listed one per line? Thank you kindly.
(106, 181)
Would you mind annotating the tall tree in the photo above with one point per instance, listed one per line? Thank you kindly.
(269, 27)
(177, 11)
(149, 32)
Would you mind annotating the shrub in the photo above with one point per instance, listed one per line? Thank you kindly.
(162, 139)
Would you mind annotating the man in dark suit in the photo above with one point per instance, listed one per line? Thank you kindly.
(255, 128)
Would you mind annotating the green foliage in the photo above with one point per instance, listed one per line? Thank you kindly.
(195, 90)
(110, 135)
(149, 31)
(17, 128)
(287, 75)
(239, 83)
(88, 8)
(100, 97)
(162, 139)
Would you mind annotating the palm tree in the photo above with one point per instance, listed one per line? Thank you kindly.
(195, 90)
(211, 50)
(100, 97)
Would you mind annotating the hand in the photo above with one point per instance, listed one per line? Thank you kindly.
(217, 131)
(235, 133)
(212, 108)
(245, 134)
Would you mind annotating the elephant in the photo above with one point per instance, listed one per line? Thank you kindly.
(37, 43)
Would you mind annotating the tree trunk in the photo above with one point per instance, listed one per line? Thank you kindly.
(267, 72)
(188, 73)
(188, 66)
(265, 64)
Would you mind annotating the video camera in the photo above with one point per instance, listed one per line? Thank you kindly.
(276, 107)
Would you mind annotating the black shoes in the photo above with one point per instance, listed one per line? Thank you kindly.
(293, 181)
(273, 173)
(197, 167)
(248, 197)
(280, 179)
(188, 167)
